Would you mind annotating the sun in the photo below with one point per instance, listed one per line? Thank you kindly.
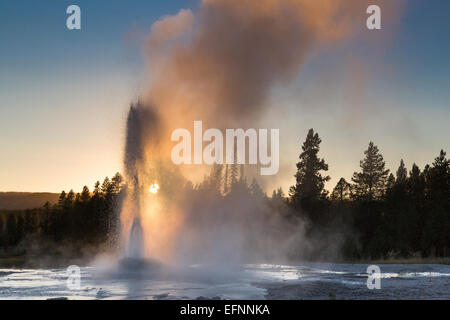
(154, 188)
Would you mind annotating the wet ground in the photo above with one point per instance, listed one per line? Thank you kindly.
(254, 281)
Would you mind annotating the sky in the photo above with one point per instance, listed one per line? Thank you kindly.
(64, 94)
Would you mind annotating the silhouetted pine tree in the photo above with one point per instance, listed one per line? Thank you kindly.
(69, 201)
(436, 233)
(85, 195)
(416, 195)
(309, 181)
(256, 190)
(390, 182)
(62, 199)
(226, 180)
(341, 191)
(370, 183)
(234, 175)
(216, 178)
(402, 173)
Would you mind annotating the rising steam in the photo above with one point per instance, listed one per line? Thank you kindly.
(219, 65)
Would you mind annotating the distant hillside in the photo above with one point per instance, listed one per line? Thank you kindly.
(26, 200)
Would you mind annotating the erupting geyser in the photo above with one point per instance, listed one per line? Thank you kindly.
(140, 121)
(135, 240)
(218, 65)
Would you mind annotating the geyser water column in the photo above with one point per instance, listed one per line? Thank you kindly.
(136, 240)
(141, 122)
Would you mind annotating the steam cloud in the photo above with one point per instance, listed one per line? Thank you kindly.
(219, 66)
(223, 62)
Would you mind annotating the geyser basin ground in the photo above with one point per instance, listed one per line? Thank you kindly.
(263, 281)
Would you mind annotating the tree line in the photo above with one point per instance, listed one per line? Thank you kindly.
(378, 214)
(79, 222)
(384, 214)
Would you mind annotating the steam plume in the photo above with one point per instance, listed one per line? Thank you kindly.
(223, 61)
(219, 65)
